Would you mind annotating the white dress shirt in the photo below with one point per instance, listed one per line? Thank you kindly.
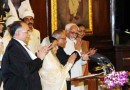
(33, 56)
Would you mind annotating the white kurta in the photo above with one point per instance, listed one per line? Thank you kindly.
(77, 67)
(34, 41)
(53, 75)
(6, 39)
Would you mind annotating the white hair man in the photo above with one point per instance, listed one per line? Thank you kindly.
(71, 45)
(27, 15)
(19, 63)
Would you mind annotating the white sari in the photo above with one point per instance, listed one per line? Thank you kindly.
(53, 75)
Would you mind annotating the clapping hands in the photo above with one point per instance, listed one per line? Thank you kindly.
(85, 56)
(43, 51)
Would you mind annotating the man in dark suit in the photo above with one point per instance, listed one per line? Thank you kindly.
(19, 65)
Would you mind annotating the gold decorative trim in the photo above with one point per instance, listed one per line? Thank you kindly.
(90, 16)
(53, 15)
(54, 21)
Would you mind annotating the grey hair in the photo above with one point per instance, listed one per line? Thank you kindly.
(18, 30)
(69, 25)
(57, 34)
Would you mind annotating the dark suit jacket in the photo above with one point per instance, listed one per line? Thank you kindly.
(63, 57)
(19, 71)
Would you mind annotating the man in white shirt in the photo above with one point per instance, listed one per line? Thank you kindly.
(27, 15)
(71, 33)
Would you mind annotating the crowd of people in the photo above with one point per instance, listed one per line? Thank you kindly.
(28, 64)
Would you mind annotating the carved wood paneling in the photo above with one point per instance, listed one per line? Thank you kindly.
(39, 8)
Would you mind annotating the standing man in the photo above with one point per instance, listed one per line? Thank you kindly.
(19, 65)
(60, 35)
(27, 15)
(71, 33)
(61, 55)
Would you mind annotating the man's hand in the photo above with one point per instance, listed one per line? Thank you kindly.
(85, 56)
(43, 51)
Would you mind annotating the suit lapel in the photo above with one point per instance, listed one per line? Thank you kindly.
(23, 49)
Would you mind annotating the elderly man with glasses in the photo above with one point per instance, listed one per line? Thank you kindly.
(71, 45)
(19, 65)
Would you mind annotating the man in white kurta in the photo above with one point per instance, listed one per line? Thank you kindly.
(72, 31)
(53, 74)
(27, 15)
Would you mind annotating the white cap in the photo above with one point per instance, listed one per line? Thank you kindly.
(27, 13)
(11, 20)
(11, 15)
(25, 9)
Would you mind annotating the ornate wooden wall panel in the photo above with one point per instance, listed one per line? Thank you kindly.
(101, 17)
(39, 8)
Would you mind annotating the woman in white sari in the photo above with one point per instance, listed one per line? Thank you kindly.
(53, 75)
